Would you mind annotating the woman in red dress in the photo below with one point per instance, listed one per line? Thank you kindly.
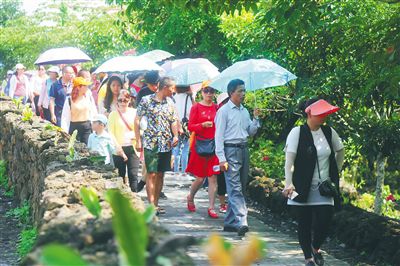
(201, 122)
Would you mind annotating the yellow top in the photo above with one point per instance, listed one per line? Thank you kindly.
(102, 93)
(119, 130)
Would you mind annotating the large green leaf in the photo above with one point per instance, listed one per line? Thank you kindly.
(149, 213)
(91, 200)
(59, 255)
(129, 228)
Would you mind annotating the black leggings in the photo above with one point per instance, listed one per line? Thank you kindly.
(132, 164)
(313, 220)
(84, 130)
(221, 191)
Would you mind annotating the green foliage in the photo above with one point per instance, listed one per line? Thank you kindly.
(130, 229)
(91, 200)
(9, 10)
(60, 255)
(26, 241)
(10, 192)
(268, 156)
(27, 113)
(73, 155)
(21, 213)
(3, 174)
(389, 208)
(149, 214)
(18, 102)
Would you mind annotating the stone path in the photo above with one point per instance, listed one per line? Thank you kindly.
(9, 231)
(282, 249)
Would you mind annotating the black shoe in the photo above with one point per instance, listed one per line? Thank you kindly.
(243, 230)
(140, 185)
(319, 260)
(310, 263)
(228, 228)
(163, 196)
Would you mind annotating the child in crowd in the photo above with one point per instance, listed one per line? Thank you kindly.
(102, 142)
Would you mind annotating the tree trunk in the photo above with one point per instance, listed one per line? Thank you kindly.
(380, 179)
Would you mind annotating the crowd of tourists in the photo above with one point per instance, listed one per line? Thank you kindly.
(151, 122)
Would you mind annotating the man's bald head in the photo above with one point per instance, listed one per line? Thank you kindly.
(68, 73)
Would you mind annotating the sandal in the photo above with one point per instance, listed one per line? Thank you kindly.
(160, 210)
(212, 213)
(190, 204)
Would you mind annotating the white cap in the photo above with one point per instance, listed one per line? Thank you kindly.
(100, 118)
(54, 69)
(10, 72)
(19, 66)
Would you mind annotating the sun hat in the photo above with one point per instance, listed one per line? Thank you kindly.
(321, 108)
(19, 66)
(79, 81)
(100, 118)
(54, 69)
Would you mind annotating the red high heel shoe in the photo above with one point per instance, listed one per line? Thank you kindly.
(190, 205)
(212, 213)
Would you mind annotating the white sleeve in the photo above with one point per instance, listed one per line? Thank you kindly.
(13, 84)
(66, 116)
(340, 159)
(292, 140)
(289, 168)
(336, 141)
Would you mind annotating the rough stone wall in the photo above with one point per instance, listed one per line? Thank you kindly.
(40, 174)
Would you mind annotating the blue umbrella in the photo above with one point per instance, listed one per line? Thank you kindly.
(256, 73)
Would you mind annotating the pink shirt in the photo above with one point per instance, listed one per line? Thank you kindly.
(20, 89)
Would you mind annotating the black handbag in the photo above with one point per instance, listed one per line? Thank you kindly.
(327, 188)
(185, 122)
(205, 147)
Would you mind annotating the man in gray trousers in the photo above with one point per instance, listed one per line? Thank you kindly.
(233, 127)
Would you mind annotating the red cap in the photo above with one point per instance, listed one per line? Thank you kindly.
(321, 108)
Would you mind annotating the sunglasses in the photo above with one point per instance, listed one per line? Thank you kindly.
(123, 100)
(209, 91)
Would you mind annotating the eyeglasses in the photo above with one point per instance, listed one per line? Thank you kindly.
(123, 100)
(209, 91)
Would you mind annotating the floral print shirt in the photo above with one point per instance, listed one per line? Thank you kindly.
(160, 116)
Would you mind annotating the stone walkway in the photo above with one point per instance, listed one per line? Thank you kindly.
(282, 249)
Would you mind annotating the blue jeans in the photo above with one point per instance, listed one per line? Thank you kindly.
(236, 180)
(181, 154)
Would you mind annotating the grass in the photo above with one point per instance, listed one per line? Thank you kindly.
(21, 213)
(26, 240)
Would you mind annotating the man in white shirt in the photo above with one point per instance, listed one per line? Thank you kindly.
(233, 127)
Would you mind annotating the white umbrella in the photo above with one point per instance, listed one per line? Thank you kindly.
(156, 55)
(256, 73)
(170, 65)
(192, 73)
(127, 64)
(66, 55)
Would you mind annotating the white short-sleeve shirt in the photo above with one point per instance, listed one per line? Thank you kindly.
(323, 153)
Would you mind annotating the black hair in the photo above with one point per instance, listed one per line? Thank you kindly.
(109, 95)
(233, 84)
(152, 77)
(304, 104)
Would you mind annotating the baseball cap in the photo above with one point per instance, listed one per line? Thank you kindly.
(100, 118)
(10, 72)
